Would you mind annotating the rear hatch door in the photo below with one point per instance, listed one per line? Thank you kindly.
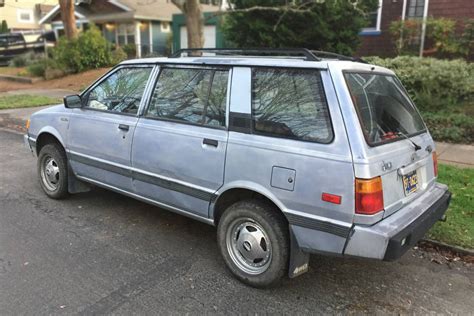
(398, 145)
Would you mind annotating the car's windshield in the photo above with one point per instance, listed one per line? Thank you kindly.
(384, 109)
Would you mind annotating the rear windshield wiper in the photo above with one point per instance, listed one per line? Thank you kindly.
(400, 133)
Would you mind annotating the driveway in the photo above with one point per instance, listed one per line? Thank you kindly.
(100, 252)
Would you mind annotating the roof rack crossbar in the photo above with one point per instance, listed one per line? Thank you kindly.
(306, 53)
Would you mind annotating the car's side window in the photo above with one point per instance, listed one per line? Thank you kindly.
(121, 92)
(290, 103)
(190, 95)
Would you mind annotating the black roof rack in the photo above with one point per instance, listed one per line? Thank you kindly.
(302, 52)
(337, 56)
(309, 55)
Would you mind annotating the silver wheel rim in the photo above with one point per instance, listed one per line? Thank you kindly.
(249, 246)
(50, 173)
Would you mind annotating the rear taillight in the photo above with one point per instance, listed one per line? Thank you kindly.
(368, 196)
(435, 163)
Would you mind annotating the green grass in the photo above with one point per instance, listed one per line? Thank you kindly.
(25, 101)
(458, 230)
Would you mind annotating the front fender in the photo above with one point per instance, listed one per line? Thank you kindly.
(53, 131)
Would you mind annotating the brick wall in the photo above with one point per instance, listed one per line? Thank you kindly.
(459, 10)
(382, 44)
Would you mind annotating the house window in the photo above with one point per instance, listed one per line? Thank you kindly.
(165, 27)
(25, 16)
(415, 8)
(374, 19)
(126, 34)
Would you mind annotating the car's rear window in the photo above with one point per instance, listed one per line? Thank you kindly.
(384, 108)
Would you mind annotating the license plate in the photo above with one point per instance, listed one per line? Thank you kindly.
(410, 183)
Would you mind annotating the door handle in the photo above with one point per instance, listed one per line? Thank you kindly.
(124, 127)
(210, 142)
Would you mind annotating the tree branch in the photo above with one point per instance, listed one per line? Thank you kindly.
(286, 11)
(283, 9)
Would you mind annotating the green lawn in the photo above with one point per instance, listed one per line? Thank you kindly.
(459, 228)
(25, 101)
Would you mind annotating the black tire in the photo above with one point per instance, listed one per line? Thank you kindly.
(275, 228)
(58, 189)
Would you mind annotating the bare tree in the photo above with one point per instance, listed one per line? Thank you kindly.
(194, 21)
(68, 18)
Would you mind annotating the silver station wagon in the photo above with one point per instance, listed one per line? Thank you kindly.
(287, 152)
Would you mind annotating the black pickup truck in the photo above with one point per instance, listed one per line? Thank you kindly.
(14, 44)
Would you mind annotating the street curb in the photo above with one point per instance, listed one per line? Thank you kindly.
(10, 130)
(19, 79)
(464, 251)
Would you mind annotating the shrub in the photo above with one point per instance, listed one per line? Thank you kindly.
(130, 50)
(118, 55)
(441, 39)
(450, 127)
(37, 69)
(46, 68)
(432, 83)
(90, 50)
(467, 40)
(25, 59)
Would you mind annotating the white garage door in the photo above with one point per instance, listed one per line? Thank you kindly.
(209, 36)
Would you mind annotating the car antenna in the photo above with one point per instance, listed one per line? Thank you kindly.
(417, 147)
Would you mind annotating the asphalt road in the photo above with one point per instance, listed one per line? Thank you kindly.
(100, 252)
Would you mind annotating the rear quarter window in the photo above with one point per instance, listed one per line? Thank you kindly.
(290, 103)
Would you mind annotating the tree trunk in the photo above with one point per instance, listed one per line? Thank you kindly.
(68, 18)
(194, 24)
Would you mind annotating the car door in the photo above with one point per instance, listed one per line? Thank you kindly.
(180, 142)
(100, 133)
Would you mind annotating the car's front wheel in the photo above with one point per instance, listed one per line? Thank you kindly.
(52, 171)
(253, 239)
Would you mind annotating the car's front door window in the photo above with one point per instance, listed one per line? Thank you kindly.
(121, 92)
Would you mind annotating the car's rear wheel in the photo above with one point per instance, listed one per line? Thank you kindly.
(253, 239)
(52, 171)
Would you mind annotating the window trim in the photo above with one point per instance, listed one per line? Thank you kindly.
(85, 94)
(359, 117)
(179, 66)
(259, 133)
(377, 29)
(19, 12)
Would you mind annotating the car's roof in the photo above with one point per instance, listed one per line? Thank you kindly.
(260, 61)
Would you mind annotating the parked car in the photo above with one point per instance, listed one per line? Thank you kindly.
(286, 155)
(19, 43)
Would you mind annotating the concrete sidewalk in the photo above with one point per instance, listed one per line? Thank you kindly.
(52, 93)
(452, 154)
(456, 154)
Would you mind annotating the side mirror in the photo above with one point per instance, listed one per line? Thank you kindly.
(72, 101)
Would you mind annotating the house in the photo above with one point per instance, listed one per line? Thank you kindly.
(376, 37)
(144, 25)
(213, 36)
(24, 15)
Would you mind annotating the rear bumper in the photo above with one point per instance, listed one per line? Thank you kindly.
(393, 236)
(409, 236)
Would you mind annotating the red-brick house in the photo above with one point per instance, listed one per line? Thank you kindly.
(376, 39)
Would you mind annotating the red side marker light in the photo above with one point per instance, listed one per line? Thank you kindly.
(331, 198)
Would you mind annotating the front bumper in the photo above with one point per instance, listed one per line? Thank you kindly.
(30, 144)
(393, 236)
